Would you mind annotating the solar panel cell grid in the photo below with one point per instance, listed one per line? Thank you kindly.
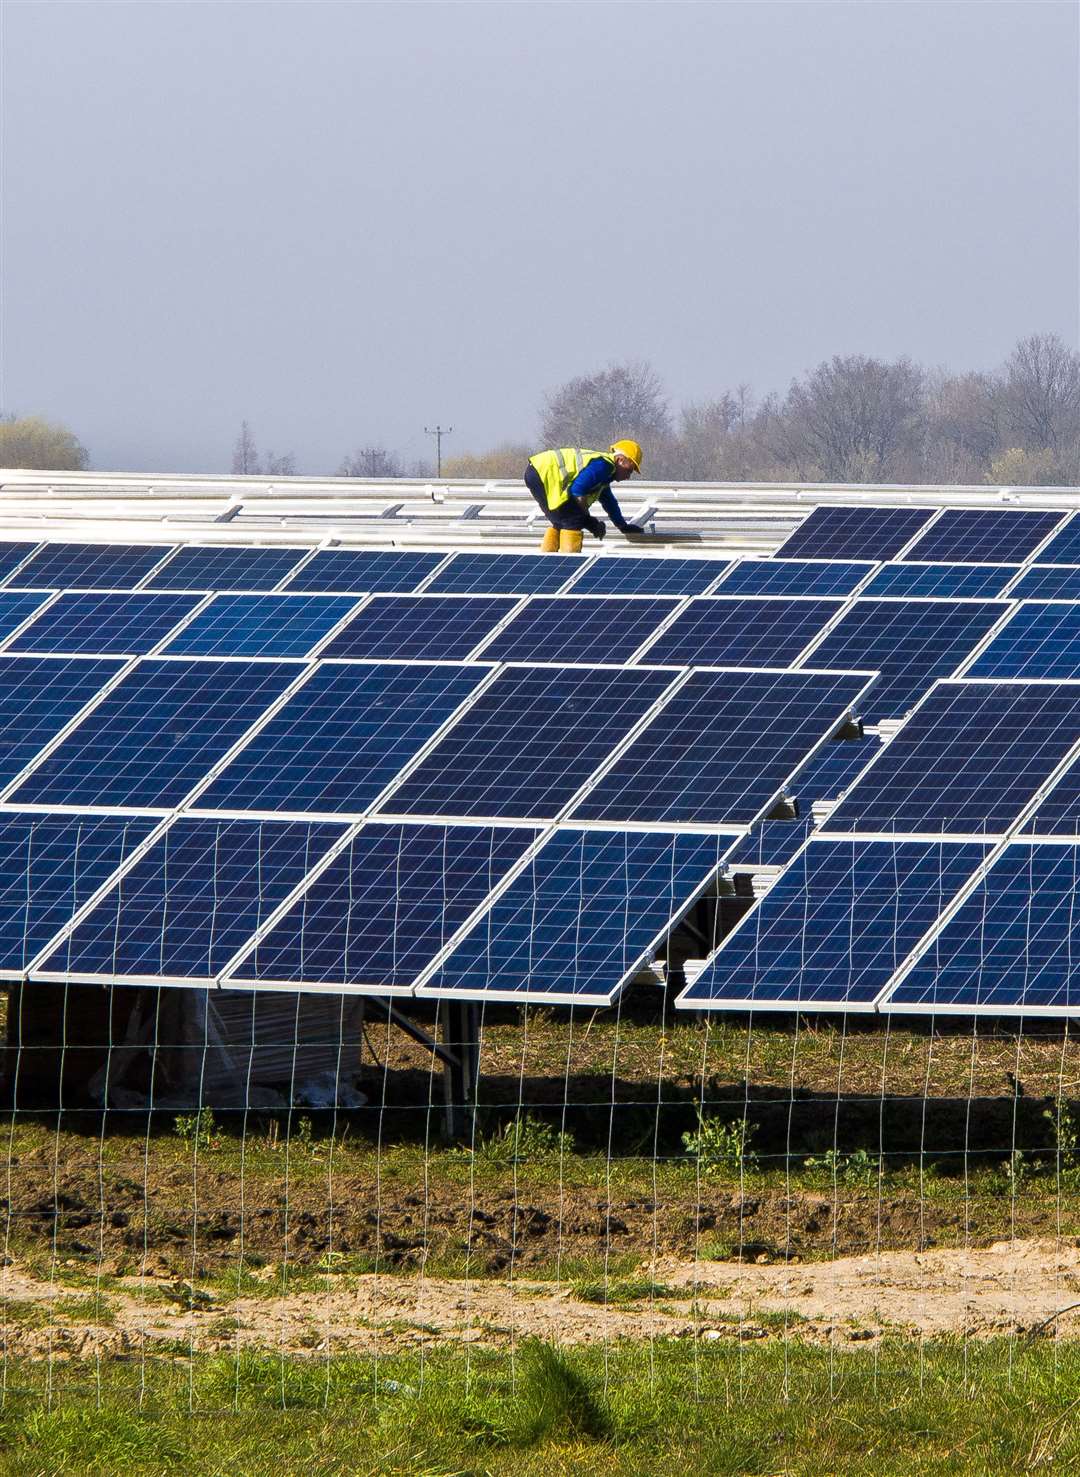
(855, 532)
(225, 567)
(580, 918)
(38, 696)
(741, 631)
(191, 901)
(944, 581)
(1047, 582)
(910, 642)
(261, 625)
(17, 606)
(496, 574)
(721, 747)
(770, 844)
(983, 534)
(361, 571)
(1013, 944)
(157, 733)
(601, 628)
(528, 743)
(793, 577)
(833, 928)
(104, 625)
(1064, 547)
(654, 576)
(341, 738)
(12, 555)
(88, 566)
(967, 762)
(384, 908)
(420, 627)
(1037, 641)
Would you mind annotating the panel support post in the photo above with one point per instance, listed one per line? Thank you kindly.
(459, 1031)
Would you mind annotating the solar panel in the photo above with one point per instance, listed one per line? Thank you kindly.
(1012, 946)
(719, 750)
(977, 535)
(420, 627)
(833, 928)
(529, 742)
(1038, 640)
(12, 555)
(967, 762)
(102, 624)
(1047, 582)
(618, 575)
(88, 566)
(741, 631)
(496, 574)
(49, 866)
(213, 567)
(910, 642)
(769, 844)
(190, 902)
(39, 695)
(854, 532)
(341, 738)
(1064, 547)
(384, 907)
(793, 577)
(598, 627)
(360, 571)
(580, 919)
(261, 625)
(157, 733)
(17, 606)
(941, 581)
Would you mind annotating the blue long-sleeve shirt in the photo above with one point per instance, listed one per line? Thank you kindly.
(595, 476)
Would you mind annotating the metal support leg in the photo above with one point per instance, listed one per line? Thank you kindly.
(459, 1029)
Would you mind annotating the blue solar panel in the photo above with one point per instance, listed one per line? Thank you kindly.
(225, 567)
(420, 627)
(1059, 813)
(656, 576)
(529, 742)
(595, 628)
(967, 761)
(191, 901)
(38, 696)
(496, 574)
(341, 738)
(1037, 641)
(942, 581)
(910, 642)
(854, 532)
(1012, 945)
(261, 625)
(49, 866)
(793, 577)
(157, 733)
(977, 535)
(88, 566)
(360, 571)
(1047, 582)
(103, 624)
(12, 555)
(721, 747)
(383, 909)
(17, 606)
(770, 844)
(581, 918)
(741, 631)
(833, 928)
(1064, 547)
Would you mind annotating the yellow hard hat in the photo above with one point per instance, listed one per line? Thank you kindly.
(630, 450)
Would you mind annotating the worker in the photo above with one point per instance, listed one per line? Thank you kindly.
(566, 483)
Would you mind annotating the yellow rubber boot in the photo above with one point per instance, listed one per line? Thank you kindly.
(549, 544)
(570, 541)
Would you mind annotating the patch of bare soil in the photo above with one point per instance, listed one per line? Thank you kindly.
(1026, 1288)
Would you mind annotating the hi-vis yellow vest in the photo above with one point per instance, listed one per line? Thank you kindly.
(558, 469)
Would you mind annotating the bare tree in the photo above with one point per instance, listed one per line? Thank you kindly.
(594, 410)
(29, 441)
(245, 457)
(371, 461)
(279, 466)
(1041, 393)
(849, 419)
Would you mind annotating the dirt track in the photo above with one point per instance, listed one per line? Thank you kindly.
(1008, 1288)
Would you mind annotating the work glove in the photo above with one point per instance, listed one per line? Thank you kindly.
(596, 527)
(631, 530)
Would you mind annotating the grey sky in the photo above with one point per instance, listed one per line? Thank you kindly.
(346, 221)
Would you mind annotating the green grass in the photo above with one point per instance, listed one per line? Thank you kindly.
(943, 1409)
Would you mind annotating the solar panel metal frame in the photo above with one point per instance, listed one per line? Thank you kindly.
(867, 591)
(1069, 524)
(774, 561)
(443, 558)
(516, 603)
(305, 553)
(55, 596)
(1023, 559)
(1026, 571)
(1002, 629)
(206, 606)
(167, 551)
(932, 516)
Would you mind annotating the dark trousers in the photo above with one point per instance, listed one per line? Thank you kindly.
(570, 515)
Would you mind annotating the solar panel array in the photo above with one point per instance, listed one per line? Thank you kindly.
(508, 776)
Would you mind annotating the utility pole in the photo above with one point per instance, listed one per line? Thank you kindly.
(439, 432)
